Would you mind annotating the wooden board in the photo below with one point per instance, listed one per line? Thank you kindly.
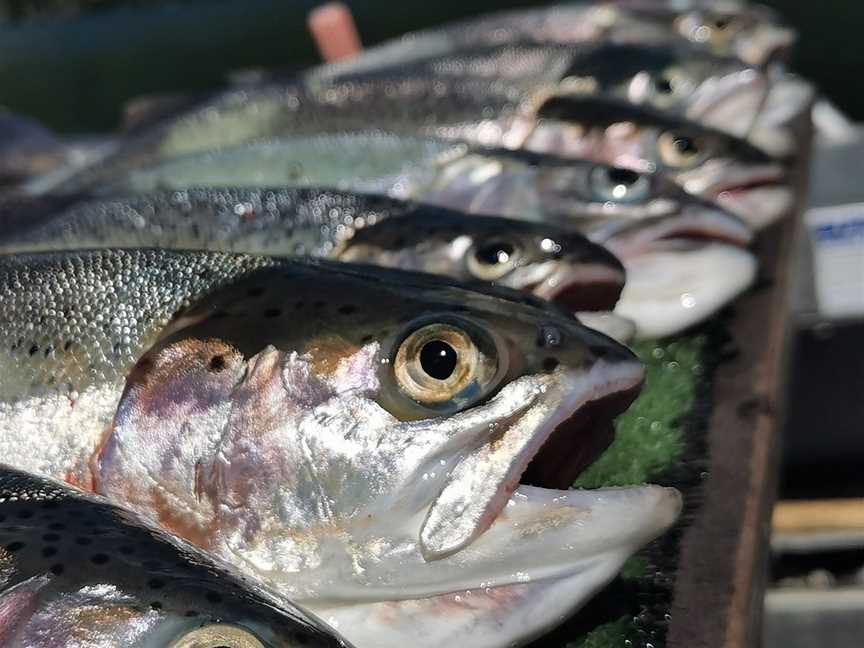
(722, 566)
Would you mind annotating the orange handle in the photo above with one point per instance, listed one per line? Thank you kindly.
(332, 27)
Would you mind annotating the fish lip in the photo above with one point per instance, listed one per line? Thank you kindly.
(558, 462)
(583, 287)
(762, 176)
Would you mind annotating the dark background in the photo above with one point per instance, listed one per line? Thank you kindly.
(73, 64)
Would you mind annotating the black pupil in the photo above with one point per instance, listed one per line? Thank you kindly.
(623, 176)
(495, 253)
(684, 145)
(664, 85)
(721, 23)
(438, 359)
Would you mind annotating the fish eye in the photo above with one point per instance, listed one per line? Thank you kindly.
(678, 151)
(443, 365)
(217, 635)
(492, 260)
(672, 84)
(615, 184)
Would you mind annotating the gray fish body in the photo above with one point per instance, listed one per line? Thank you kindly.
(78, 572)
(449, 174)
(542, 257)
(552, 261)
(484, 112)
(734, 29)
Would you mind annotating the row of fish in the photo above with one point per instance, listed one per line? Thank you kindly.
(311, 342)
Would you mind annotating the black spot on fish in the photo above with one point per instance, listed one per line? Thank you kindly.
(99, 559)
(68, 345)
(14, 546)
(33, 350)
(217, 363)
(51, 537)
(57, 569)
(550, 363)
(47, 552)
(57, 526)
(155, 605)
(548, 337)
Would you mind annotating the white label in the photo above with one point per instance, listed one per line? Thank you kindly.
(837, 237)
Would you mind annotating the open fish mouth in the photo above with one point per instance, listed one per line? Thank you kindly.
(501, 560)
(760, 202)
(582, 287)
(558, 463)
(546, 453)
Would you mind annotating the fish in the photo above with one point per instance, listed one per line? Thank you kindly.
(721, 93)
(737, 29)
(78, 571)
(549, 260)
(355, 437)
(490, 113)
(473, 179)
(580, 263)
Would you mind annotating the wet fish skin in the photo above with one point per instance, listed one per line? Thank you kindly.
(482, 112)
(550, 260)
(515, 184)
(676, 79)
(734, 29)
(78, 571)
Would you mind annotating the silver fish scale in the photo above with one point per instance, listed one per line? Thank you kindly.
(300, 222)
(240, 116)
(68, 320)
(123, 562)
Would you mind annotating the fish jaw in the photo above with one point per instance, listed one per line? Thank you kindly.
(767, 42)
(760, 194)
(542, 559)
(729, 103)
(608, 323)
(706, 277)
(582, 287)
(694, 221)
(479, 486)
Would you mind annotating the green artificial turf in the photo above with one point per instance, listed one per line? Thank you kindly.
(650, 438)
